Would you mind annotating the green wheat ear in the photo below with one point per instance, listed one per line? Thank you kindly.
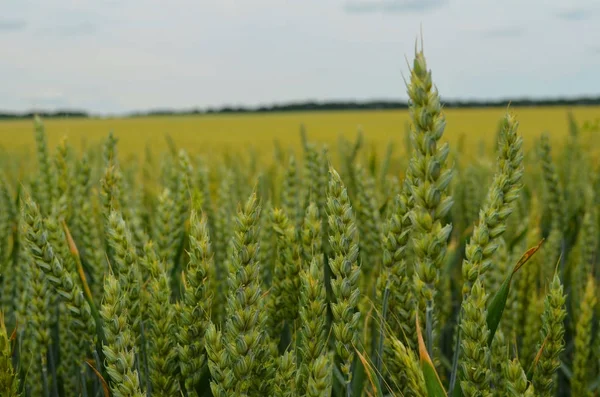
(498, 204)
(56, 275)
(286, 282)
(345, 273)
(290, 195)
(8, 218)
(119, 345)
(126, 265)
(312, 236)
(404, 369)
(475, 358)
(313, 332)
(516, 380)
(161, 326)
(284, 384)
(194, 313)
(551, 340)
(47, 179)
(428, 180)
(368, 222)
(243, 346)
(583, 339)
(556, 204)
(320, 377)
(39, 323)
(394, 275)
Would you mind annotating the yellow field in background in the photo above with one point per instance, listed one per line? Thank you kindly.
(216, 133)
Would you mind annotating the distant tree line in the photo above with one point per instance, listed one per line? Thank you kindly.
(43, 114)
(317, 106)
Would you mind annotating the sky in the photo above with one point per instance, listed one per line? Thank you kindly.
(117, 56)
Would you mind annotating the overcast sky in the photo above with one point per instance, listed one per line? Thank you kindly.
(113, 56)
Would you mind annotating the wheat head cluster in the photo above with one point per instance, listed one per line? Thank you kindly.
(339, 272)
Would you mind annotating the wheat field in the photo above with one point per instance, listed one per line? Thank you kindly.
(430, 252)
(210, 133)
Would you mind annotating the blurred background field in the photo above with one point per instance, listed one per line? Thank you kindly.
(215, 134)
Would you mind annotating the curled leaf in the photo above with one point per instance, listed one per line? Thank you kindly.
(371, 374)
(433, 383)
(498, 303)
(100, 377)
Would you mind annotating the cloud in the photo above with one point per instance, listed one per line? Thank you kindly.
(69, 30)
(12, 25)
(47, 98)
(514, 31)
(574, 14)
(392, 6)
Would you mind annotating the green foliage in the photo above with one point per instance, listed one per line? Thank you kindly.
(9, 382)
